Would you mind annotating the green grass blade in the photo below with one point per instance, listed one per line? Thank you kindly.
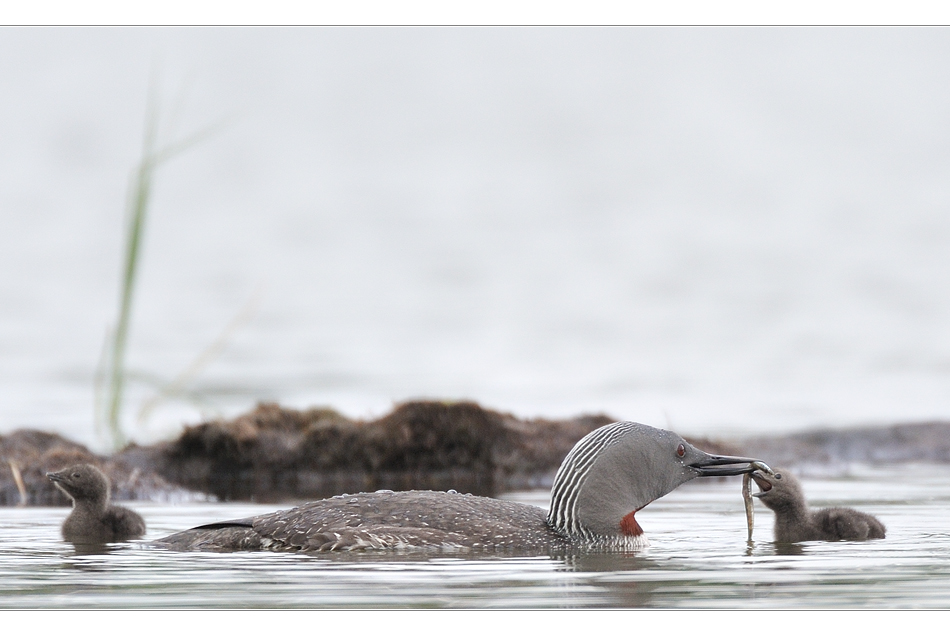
(114, 352)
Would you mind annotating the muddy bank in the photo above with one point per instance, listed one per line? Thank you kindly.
(27, 455)
(275, 454)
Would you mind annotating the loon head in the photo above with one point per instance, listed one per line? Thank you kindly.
(616, 470)
(82, 483)
(780, 490)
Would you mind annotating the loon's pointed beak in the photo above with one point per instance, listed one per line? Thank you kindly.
(55, 477)
(724, 465)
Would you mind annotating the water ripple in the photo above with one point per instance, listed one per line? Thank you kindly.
(698, 559)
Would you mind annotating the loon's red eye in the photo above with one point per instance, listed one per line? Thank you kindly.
(680, 450)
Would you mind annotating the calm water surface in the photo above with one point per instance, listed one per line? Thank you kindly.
(550, 222)
(699, 558)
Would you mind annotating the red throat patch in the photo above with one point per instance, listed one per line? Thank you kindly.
(629, 525)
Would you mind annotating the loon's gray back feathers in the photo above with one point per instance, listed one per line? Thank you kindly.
(381, 520)
(608, 475)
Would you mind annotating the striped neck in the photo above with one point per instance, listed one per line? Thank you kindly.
(570, 478)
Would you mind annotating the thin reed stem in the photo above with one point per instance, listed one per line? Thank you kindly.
(140, 192)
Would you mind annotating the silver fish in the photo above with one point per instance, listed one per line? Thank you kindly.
(747, 498)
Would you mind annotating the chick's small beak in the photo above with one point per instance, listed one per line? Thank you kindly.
(764, 484)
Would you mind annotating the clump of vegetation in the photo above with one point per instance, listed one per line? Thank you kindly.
(279, 454)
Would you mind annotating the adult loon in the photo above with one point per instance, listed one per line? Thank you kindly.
(607, 477)
(94, 519)
(794, 522)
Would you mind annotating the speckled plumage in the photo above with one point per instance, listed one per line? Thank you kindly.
(93, 519)
(414, 519)
(795, 522)
(608, 475)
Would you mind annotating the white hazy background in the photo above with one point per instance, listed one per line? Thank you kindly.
(723, 231)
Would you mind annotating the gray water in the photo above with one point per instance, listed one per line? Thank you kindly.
(698, 558)
(714, 229)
